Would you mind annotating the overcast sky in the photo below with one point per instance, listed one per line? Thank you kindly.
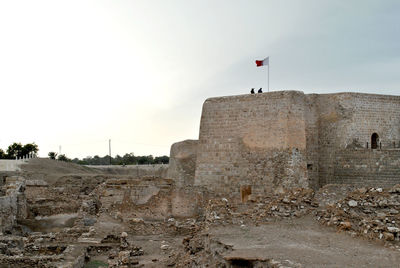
(77, 73)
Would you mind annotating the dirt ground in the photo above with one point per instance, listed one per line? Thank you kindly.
(305, 242)
(48, 166)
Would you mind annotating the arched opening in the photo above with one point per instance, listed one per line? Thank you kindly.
(374, 141)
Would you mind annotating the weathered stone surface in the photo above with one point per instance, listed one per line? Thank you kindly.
(254, 140)
(182, 162)
(289, 139)
(13, 204)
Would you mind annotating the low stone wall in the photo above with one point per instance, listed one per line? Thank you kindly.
(11, 165)
(38, 255)
(365, 167)
(62, 196)
(148, 198)
(136, 171)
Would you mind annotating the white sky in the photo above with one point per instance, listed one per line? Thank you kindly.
(77, 73)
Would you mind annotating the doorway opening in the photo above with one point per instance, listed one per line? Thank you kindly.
(374, 141)
(245, 192)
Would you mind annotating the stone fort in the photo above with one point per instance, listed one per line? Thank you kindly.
(255, 143)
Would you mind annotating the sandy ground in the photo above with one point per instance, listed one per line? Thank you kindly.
(305, 242)
(50, 170)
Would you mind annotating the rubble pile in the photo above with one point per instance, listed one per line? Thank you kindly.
(370, 212)
(88, 211)
(199, 251)
(11, 245)
(65, 235)
(46, 200)
(331, 193)
(21, 252)
(289, 203)
(126, 255)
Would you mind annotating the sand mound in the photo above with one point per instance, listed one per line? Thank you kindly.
(40, 165)
(51, 170)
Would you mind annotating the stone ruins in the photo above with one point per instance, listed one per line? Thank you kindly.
(279, 179)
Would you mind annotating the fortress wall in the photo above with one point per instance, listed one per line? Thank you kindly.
(257, 140)
(362, 167)
(347, 121)
(330, 118)
(312, 133)
(256, 143)
(364, 114)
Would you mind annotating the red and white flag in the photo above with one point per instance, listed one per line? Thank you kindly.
(263, 62)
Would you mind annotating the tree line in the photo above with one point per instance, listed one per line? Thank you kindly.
(127, 159)
(18, 150)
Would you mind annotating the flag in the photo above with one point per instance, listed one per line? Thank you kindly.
(262, 62)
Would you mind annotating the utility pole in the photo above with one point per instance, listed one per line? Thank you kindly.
(109, 149)
(59, 150)
(268, 74)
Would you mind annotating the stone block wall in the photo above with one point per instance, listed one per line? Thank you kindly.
(380, 168)
(286, 139)
(129, 195)
(60, 197)
(347, 122)
(148, 198)
(312, 133)
(182, 162)
(257, 140)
